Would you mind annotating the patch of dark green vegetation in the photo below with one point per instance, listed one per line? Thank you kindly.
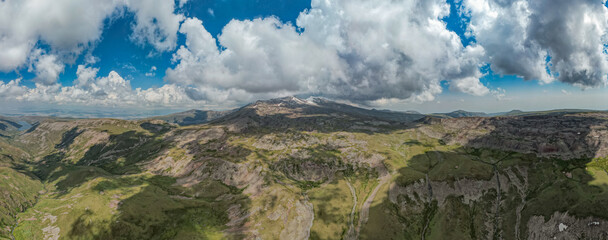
(362, 173)
(208, 190)
(156, 128)
(309, 169)
(219, 149)
(32, 128)
(68, 138)
(14, 124)
(413, 142)
(307, 185)
(559, 187)
(122, 152)
(162, 210)
(18, 192)
(45, 167)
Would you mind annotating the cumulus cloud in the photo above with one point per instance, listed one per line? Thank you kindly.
(65, 25)
(470, 85)
(261, 56)
(12, 89)
(47, 68)
(353, 50)
(68, 27)
(85, 75)
(111, 90)
(520, 35)
(155, 23)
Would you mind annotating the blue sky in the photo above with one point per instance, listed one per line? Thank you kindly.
(472, 70)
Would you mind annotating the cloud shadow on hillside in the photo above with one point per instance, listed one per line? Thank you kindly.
(421, 201)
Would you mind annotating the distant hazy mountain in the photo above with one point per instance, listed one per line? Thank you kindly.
(192, 117)
(459, 114)
(509, 113)
(547, 112)
(462, 113)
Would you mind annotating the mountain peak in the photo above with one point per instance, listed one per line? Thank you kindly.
(289, 101)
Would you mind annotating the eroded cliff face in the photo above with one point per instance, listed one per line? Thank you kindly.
(564, 226)
(291, 169)
(562, 136)
(545, 177)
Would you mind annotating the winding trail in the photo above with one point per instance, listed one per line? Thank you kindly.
(364, 213)
(312, 219)
(351, 230)
(13, 230)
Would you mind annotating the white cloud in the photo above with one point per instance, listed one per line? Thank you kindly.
(68, 27)
(85, 75)
(565, 92)
(90, 59)
(152, 72)
(11, 90)
(211, 12)
(263, 57)
(353, 50)
(155, 23)
(47, 68)
(519, 35)
(112, 90)
(182, 3)
(499, 93)
(393, 49)
(470, 85)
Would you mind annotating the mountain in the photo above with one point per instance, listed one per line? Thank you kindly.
(316, 115)
(296, 169)
(386, 115)
(191, 117)
(461, 113)
(8, 126)
(509, 113)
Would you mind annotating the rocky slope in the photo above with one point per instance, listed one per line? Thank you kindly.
(296, 169)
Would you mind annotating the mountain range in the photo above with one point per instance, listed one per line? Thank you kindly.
(290, 168)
